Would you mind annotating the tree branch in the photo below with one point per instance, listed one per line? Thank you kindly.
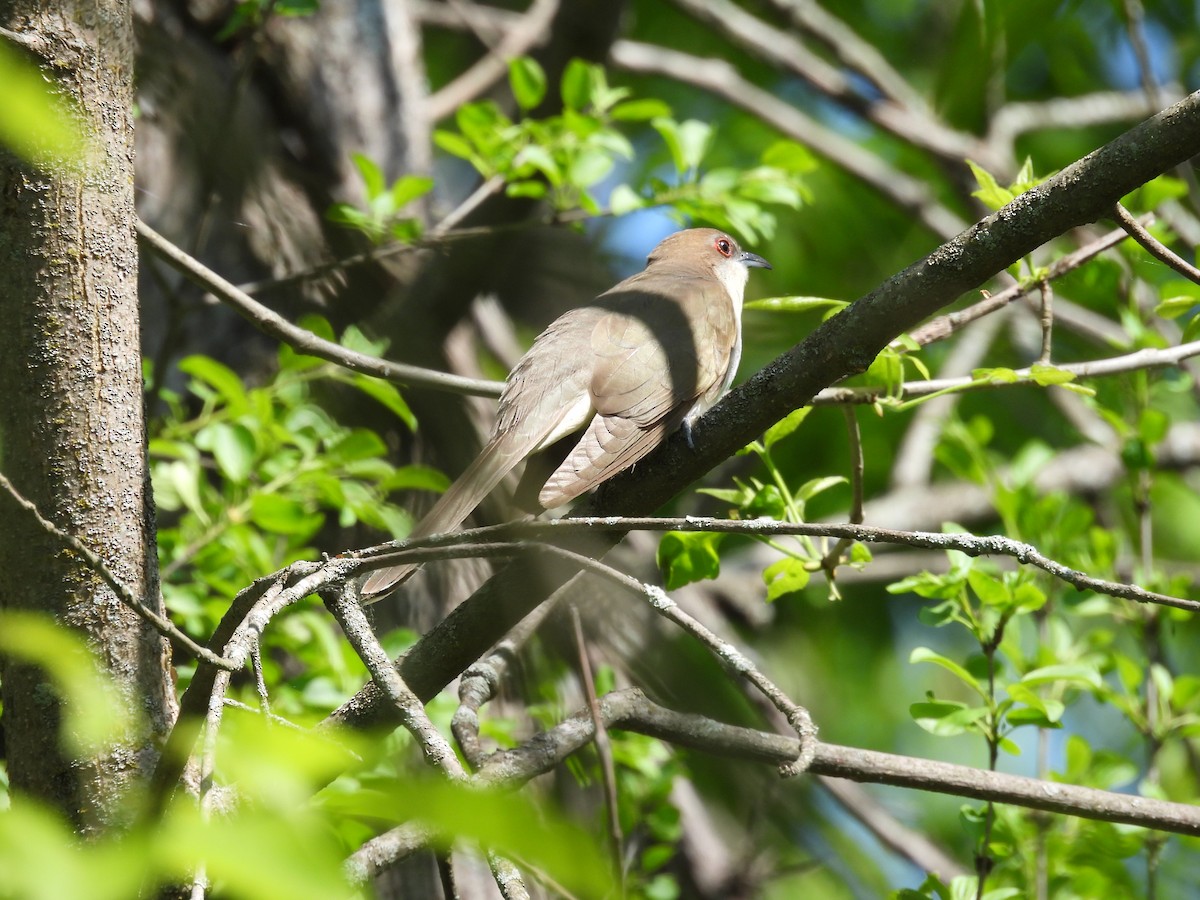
(1153, 246)
(720, 78)
(300, 339)
(631, 710)
(529, 31)
(161, 623)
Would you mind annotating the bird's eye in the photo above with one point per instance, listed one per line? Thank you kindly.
(724, 247)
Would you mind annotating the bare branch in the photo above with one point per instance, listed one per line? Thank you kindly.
(720, 78)
(852, 51)
(441, 233)
(944, 326)
(532, 30)
(343, 603)
(1014, 119)
(485, 541)
(608, 769)
(302, 340)
(161, 623)
(630, 709)
(1116, 365)
(912, 124)
(1153, 246)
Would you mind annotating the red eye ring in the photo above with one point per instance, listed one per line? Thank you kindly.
(724, 246)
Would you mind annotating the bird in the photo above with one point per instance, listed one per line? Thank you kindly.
(607, 382)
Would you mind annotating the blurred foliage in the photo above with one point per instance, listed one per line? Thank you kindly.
(36, 121)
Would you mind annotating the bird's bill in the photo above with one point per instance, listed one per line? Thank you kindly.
(753, 259)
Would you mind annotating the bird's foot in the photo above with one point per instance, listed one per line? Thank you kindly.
(687, 433)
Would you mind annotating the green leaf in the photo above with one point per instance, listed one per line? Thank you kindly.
(625, 199)
(528, 81)
(998, 375)
(386, 393)
(455, 144)
(790, 156)
(925, 655)
(1174, 307)
(356, 444)
(1076, 673)
(535, 190)
(407, 189)
(420, 478)
(1048, 375)
(815, 486)
(234, 448)
(588, 168)
(37, 122)
(372, 175)
(510, 824)
(577, 83)
(945, 718)
(990, 192)
(785, 576)
(690, 556)
(796, 304)
(990, 590)
(640, 110)
(219, 377)
(687, 141)
(284, 515)
(785, 426)
(93, 714)
(537, 157)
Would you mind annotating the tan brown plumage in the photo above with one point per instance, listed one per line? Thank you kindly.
(626, 370)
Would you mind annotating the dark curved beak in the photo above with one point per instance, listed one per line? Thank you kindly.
(753, 259)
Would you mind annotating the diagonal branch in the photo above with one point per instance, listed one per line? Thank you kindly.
(161, 623)
(271, 323)
(846, 343)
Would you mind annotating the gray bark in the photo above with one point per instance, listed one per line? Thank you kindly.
(71, 424)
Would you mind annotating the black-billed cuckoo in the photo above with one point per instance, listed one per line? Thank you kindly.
(644, 358)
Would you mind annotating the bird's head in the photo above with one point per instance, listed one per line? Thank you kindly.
(708, 251)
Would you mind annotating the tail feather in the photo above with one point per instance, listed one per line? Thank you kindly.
(459, 501)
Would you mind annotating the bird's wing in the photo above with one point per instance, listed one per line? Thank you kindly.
(545, 397)
(658, 349)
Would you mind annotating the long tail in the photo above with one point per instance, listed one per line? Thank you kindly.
(491, 465)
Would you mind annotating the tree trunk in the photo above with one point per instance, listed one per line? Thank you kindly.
(71, 424)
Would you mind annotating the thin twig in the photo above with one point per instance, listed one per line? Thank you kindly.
(1153, 246)
(124, 593)
(442, 233)
(608, 771)
(302, 340)
(1047, 321)
(1148, 358)
(914, 125)
(721, 79)
(532, 29)
(833, 558)
(479, 541)
(944, 326)
(343, 603)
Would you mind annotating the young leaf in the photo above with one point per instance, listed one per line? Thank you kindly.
(785, 576)
(690, 556)
(785, 426)
(924, 654)
(528, 81)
